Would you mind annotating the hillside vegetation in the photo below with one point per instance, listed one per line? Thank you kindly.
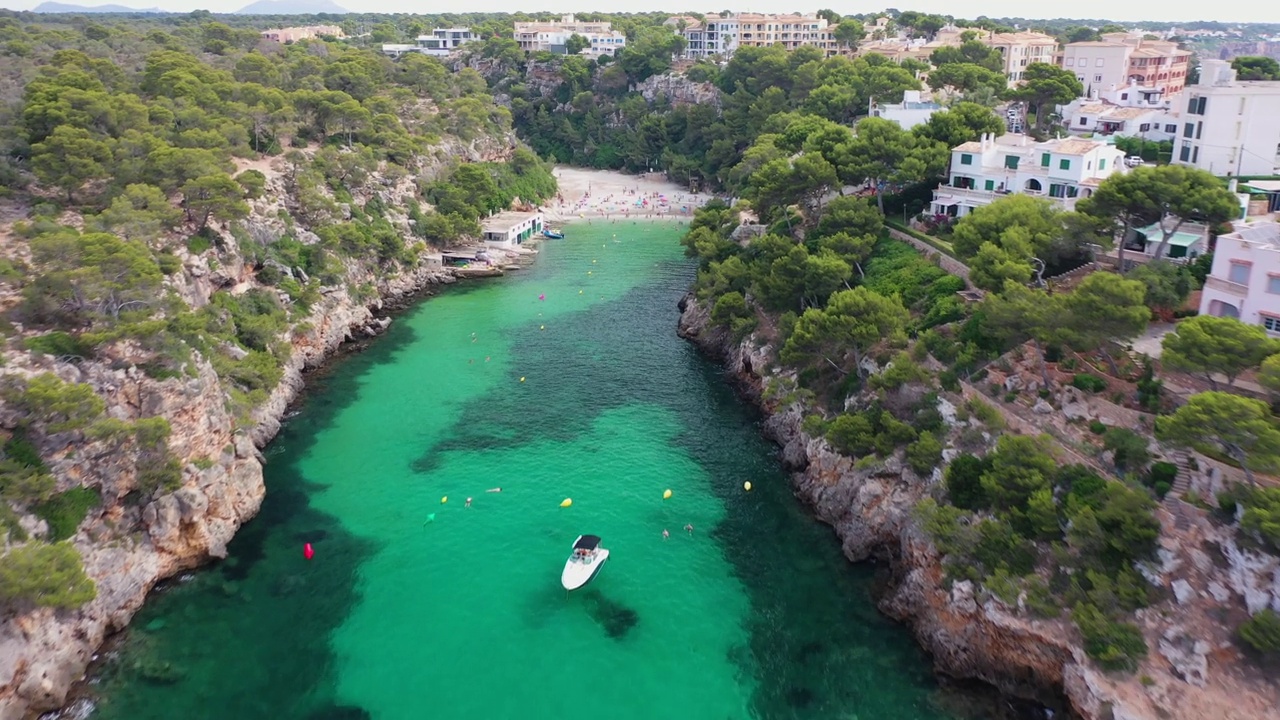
(183, 195)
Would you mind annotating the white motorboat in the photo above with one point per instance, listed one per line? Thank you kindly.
(584, 563)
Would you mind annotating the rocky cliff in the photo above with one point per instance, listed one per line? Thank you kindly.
(131, 542)
(973, 635)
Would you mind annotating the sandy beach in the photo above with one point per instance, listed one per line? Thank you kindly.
(608, 195)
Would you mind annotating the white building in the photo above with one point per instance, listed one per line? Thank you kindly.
(553, 37)
(509, 229)
(1230, 126)
(1061, 170)
(910, 112)
(441, 42)
(1245, 280)
(1103, 118)
(1021, 49)
(723, 35)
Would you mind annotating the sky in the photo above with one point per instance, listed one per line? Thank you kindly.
(1173, 11)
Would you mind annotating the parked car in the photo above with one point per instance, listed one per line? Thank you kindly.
(1133, 161)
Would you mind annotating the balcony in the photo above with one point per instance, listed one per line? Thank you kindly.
(1235, 288)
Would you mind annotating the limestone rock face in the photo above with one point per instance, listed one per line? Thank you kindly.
(128, 547)
(870, 508)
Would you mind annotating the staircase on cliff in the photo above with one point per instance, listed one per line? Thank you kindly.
(1181, 484)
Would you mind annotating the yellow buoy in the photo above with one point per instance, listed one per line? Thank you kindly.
(588, 272)
(579, 292)
(542, 327)
(747, 486)
(444, 499)
(593, 262)
(666, 494)
(566, 502)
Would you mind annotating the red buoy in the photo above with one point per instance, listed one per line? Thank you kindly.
(307, 552)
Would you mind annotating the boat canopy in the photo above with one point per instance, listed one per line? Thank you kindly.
(587, 542)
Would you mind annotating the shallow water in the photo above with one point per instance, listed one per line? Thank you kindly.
(414, 607)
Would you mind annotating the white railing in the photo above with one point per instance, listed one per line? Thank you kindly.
(1234, 288)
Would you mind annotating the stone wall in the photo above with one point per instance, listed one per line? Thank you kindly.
(944, 261)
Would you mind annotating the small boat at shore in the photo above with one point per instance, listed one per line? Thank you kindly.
(549, 233)
(587, 559)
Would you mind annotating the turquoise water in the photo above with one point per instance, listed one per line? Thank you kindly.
(587, 395)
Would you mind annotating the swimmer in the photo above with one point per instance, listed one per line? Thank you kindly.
(689, 528)
(486, 358)
(468, 503)
(665, 534)
(494, 490)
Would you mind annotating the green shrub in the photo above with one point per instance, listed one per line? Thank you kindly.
(852, 434)
(59, 344)
(1097, 427)
(199, 243)
(61, 406)
(22, 451)
(169, 263)
(65, 511)
(1129, 448)
(964, 481)
(1113, 645)
(985, 414)
(1262, 632)
(924, 454)
(1088, 382)
(1262, 514)
(1010, 397)
(45, 575)
(1162, 472)
(949, 381)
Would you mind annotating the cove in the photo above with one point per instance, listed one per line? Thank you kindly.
(417, 607)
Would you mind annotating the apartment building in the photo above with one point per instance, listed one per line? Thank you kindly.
(1244, 282)
(1020, 49)
(1230, 126)
(723, 35)
(553, 36)
(308, 32)
(1121, 59)
(1061, 170)
(440, 43)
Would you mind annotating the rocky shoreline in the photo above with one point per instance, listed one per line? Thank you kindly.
(44, 653)
(870, 509)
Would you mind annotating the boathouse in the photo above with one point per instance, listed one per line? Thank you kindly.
(508, 229)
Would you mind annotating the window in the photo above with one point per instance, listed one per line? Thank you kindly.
(1011, 161)
(1102, 164)
(1239, 273)
(1195, 154)
(1189, 130)
(966, 159)
(1084, 121)
(1144, 127)
(1124, 96)
(1185, 154)
(1273, 284)
(1098, 63)
(1270, 323)
(1064, 164)
(1097, 78)
(1200, 101)
(1191, 106)
(1071, 62)
(1171, 129)
(1199, 129)
(1044, 160)
(989, 185)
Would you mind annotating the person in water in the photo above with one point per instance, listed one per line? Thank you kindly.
(468, 503)
(689, 528)
(497, 489)
(665, 534)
